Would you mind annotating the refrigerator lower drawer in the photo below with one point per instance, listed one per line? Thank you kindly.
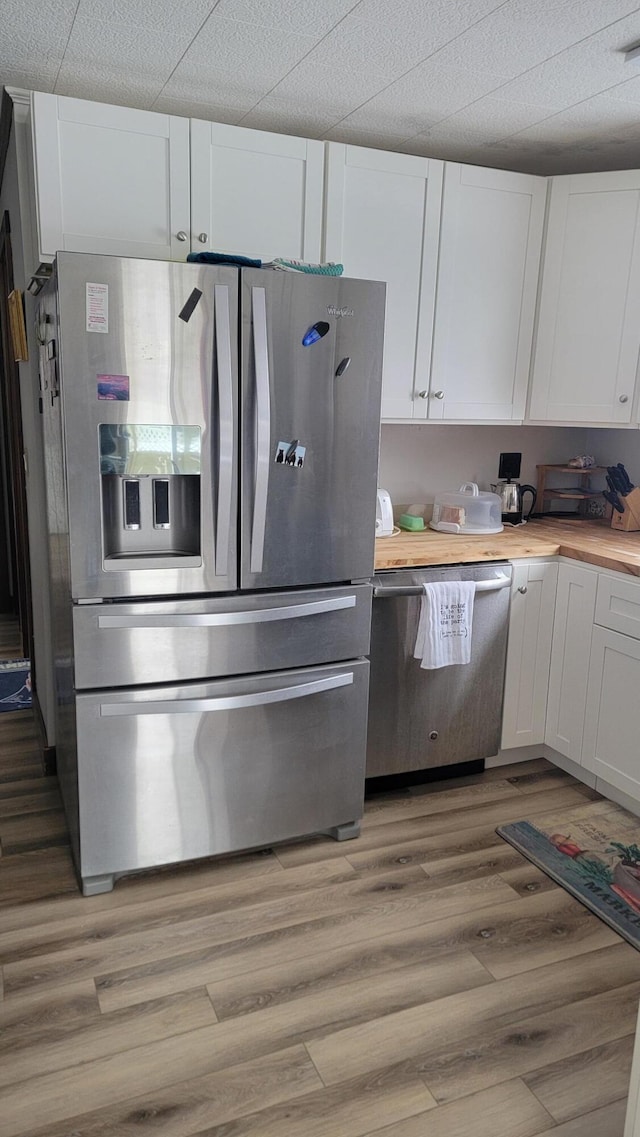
(169, 641)
(168, 774)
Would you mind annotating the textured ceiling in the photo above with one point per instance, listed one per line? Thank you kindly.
(536, 85)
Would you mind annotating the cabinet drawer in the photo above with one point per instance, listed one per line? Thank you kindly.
(618, 605)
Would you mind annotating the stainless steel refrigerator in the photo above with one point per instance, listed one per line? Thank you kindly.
(211, 439)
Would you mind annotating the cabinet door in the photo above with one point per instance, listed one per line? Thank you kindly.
(533, 599)
(382, 221)
(110, 179)
(612, 721)
(572, 629)
(255, 193)
(490, 244)
(588, 333)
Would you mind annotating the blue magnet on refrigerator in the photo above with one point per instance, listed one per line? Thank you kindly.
(315, 333)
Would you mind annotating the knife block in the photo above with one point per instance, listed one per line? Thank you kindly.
(629, 521)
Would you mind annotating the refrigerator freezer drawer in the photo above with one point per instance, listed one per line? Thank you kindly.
(175, 641)
(167, 774)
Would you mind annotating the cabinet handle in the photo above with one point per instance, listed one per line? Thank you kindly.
(203, 238)
(523, 590)
(438, 394)
(181, 235)
(623, 399)
(423, 394)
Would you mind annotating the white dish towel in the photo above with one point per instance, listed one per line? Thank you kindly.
(445, 623)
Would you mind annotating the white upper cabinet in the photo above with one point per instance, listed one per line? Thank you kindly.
(138, 184)
(382, 218)
(110, 179)
(254, 193)
(588, 334)
(490, 245)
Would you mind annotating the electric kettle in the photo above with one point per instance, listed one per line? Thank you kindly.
(384, 514)
(511, 495)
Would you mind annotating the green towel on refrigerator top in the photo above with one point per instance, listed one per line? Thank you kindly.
(327, 269)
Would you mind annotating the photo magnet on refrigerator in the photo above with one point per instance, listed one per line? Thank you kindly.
(290, 454)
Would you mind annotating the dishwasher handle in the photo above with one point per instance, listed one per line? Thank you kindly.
(492, 585)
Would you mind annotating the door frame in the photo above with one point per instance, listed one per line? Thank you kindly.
(12, 452)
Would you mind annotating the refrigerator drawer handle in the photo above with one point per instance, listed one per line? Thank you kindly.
(225, 427)
(415, 589)
(227, 702)
(263, 427)
(226, 619)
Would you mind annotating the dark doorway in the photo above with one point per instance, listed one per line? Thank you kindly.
(15, 579)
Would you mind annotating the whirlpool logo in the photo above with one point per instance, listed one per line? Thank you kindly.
(339, 312)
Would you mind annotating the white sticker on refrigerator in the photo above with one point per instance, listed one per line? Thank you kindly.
(97, 307)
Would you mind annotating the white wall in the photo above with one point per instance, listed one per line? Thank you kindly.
(33, 450)
(418, 461)
(614, 446)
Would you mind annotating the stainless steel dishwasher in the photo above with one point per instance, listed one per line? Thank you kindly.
(421, 719)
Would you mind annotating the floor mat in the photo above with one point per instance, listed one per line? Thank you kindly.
(15, 684)
(594, 852)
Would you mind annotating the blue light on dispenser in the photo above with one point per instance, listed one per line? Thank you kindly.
(315, 333)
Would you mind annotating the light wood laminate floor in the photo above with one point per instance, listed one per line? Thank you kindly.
(422, 981)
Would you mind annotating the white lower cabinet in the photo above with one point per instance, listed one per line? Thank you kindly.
(573, 659)
(569, 672)
(611, 747)
(533, 599)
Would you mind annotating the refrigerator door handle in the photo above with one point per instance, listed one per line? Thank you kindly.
(263, 427)
(226, 619)
(226, 702)
(225, 427)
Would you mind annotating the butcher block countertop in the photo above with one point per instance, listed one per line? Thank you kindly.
(590, 541)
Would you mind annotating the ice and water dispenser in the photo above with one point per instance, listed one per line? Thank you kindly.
(150, 478)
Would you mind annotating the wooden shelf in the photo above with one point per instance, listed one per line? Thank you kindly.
(568, 494)
(583, 472)
(579, 493)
